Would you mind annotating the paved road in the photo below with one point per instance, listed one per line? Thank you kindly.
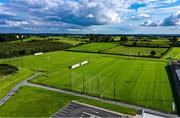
(16, 88)
(26, 83)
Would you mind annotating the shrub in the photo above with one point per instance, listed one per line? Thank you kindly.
(6, 69)
(153, 53)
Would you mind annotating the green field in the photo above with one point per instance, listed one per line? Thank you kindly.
(174, 53)
(71, 40)
(161, 43)
(35, 102)
(9, 81)
(144, 80)
(141, 51)
(114, 48)
(95, 47)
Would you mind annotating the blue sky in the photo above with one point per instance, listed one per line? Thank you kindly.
(90, 16)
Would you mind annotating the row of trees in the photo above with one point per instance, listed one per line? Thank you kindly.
(140, 42)
(6, 69)
(11, 37)
(27, 48)
(97, 38)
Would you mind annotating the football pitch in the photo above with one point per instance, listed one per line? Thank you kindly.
(140, 82)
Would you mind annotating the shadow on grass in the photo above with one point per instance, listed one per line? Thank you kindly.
(172, 79)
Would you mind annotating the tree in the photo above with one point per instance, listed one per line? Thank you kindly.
(153, 53)
(123, 39)
(108, 38)
(97, 38)
(134, 44)
(173, 39)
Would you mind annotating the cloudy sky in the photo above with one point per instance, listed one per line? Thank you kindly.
(90, 16)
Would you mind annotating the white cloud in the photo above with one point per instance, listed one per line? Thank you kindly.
(111, 17)
(90, 16)
(82, 14)
(16, 23)
(74, 12)
(150, 23)
(172, 20)
(144, 15)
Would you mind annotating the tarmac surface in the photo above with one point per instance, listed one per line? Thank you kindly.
(80, 110)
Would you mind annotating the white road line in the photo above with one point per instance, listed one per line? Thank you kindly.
(92, 115)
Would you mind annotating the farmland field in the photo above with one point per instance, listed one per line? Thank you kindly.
(95, 47)
(145, 51)
(71, 40)
(174, 53)
(144, 80)
(158, 43)
(44, 103)
(114, 48)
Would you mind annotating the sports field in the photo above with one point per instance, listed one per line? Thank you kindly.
(145, 81)
(144, 51)
(95, 47)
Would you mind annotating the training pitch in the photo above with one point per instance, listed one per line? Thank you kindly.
(135, 81)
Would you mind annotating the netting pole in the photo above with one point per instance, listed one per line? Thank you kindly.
(71, 81)
(98, 86)
(114, 89)
(83, 82)
(48, 71)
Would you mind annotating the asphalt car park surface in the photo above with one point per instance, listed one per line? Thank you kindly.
(80, 110)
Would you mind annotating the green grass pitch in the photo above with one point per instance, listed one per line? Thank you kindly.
(141, 82)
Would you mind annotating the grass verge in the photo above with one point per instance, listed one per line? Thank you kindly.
(36, 102)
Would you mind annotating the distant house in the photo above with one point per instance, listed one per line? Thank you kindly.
(17, 36)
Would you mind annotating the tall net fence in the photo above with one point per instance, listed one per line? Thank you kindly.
(92, 84)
